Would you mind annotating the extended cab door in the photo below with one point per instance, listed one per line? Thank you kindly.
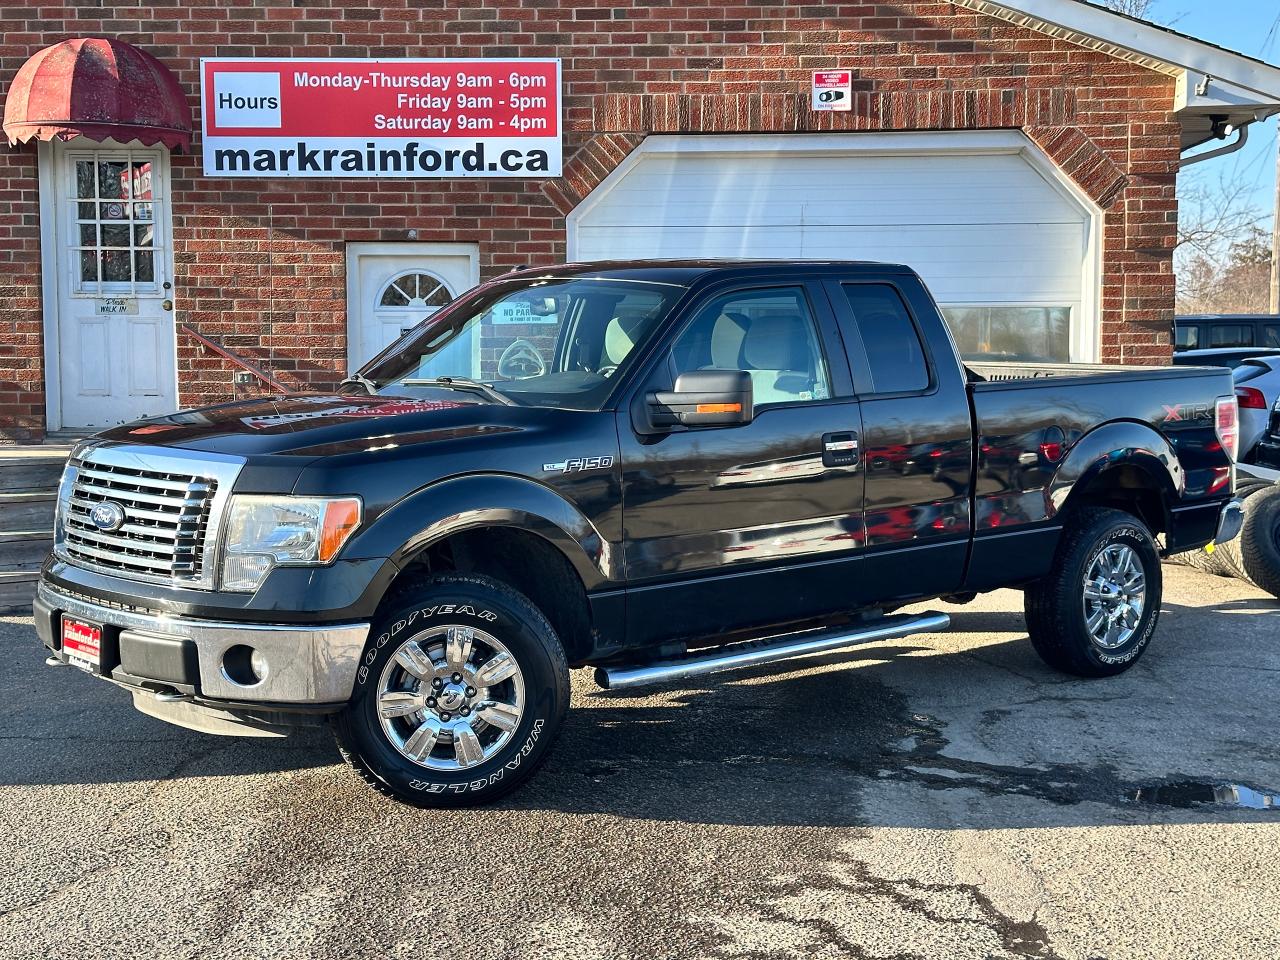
(917, 436)
(735, 526)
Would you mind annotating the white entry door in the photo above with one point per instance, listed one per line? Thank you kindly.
(111, 332)
(392, 287)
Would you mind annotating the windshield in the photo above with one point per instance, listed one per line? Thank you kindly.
(537, 342)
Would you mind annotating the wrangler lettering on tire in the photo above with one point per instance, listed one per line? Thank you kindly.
(460, 692)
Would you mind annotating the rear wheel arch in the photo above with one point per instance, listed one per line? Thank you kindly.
(1130, 487)
(1122, 465)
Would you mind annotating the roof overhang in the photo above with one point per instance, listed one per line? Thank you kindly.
(1215, 86)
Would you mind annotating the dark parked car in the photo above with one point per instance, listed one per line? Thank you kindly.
(639, 467)
(1226, 357)
(1220, 331)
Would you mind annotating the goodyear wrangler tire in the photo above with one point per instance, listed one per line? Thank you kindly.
(460, 693)
(1094, 614)
(1260, 540)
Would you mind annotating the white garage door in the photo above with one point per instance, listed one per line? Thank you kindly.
(1004, 246)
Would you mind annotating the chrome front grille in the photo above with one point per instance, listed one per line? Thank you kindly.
(165, 514)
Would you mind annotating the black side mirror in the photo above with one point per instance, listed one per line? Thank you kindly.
(704, 398)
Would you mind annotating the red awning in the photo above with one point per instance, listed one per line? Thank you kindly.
(97, 88)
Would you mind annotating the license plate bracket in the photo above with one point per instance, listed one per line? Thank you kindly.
(82, 643)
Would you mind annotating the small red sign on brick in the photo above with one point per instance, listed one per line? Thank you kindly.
(833, 89)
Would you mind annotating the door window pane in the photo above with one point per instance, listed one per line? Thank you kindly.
(415, 289)
(892, 342)
(115, 235)
(1188, 337)
(1013, 333)
(144, 266)
(769, 333)
(115, 266)
(1271, 335)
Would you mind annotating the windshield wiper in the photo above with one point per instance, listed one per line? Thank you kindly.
(359, 380)
(461, 383)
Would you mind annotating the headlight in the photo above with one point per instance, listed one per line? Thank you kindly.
(264, 532)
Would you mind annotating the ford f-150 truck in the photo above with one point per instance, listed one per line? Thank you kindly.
(659, 469)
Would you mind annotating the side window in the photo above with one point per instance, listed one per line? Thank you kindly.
(1271, 335)
(1188, 338)
(892, 342)
(1231, 335)
(770, 333)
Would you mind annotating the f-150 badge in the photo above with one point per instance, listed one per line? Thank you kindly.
(578, 464)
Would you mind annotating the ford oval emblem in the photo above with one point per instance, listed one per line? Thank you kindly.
(107, 516)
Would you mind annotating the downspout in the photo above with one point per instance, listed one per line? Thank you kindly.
(1242, 137)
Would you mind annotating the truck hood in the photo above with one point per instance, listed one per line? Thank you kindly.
(322, 425)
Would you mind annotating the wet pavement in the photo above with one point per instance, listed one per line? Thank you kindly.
(938, 797)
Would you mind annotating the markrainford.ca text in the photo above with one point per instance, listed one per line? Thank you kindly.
(409, 158)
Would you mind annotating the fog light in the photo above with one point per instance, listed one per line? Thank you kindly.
(244, 666)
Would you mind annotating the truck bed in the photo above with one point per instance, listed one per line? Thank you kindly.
(997, 372)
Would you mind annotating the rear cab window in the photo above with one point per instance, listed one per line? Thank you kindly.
(878, 322)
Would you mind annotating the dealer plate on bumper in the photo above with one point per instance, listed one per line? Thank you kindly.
(82, 643)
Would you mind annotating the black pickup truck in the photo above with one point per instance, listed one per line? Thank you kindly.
(659, 469)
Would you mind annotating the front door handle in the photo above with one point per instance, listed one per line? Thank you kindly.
(840, 449)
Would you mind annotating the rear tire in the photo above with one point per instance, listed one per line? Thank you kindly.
(462, 689)
(1260, 540)
(1095, 612)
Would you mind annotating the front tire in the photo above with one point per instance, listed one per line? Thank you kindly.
(462, 689)
(1095, 613)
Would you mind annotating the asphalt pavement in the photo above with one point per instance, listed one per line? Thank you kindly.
(943, 796)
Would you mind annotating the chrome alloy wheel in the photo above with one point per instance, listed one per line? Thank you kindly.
(450, 698)
(1115, 592)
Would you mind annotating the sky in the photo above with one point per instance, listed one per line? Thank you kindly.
(1251, 27)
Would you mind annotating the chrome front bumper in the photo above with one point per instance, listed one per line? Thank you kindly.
(304, 664)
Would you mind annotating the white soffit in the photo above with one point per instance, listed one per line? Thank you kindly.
(1239, 80)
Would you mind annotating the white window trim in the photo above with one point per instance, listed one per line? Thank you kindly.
(411, 248)
(1085, 328)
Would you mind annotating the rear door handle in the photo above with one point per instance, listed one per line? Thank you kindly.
(841, 449)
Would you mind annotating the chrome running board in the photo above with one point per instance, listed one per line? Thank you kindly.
(769, 650)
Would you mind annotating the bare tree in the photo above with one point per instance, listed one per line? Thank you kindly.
(1134, 8)
(1220, 241)
(1237, 283)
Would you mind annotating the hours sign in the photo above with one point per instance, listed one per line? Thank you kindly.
(381, 118)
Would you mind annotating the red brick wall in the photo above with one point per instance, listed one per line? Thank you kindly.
(260, 263)
(21, 327)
